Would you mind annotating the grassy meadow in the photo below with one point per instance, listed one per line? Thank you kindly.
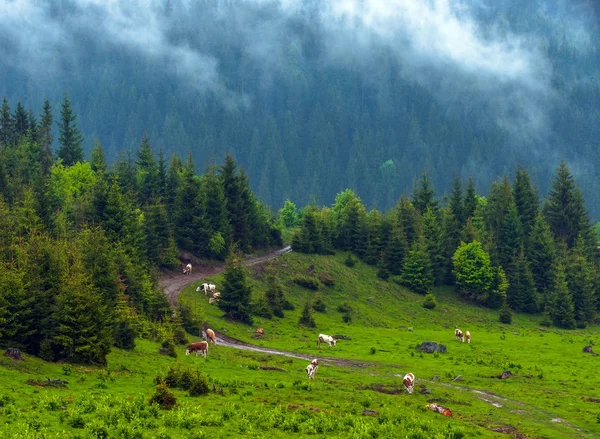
(554, 391)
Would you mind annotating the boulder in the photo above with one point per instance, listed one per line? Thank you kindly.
(14, 353)
(431, 347)
(588, 349)
(506, 374)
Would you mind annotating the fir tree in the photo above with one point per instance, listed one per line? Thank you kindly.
(6, 124)
(542, 256)
(526, 201)
(432, 233)
(146, 173)
(306, 318)
(416, 271)
(275, 298)
(395, 252)
(424, 195)
(470, 201)
(236, 294)
(455, 201)
(70, 139)
(521, 294)
(561, 308)
(46, 138)
(98, 161)
(564, 209)
(581, 281)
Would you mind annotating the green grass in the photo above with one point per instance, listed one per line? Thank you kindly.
(551, 375)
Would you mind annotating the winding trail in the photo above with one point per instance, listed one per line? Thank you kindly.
(173, 283)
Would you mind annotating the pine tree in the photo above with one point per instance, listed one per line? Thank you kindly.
(521, 294)
(98, 161)
(15, 307)
(395, 252)
(70, 139)
(564, 209)
(306, 318)
(7, 136)
(450, 241)
(236, 294)
(46, 138)
(455, 201)
(275, 298)
(526, 201)
(146, 173)
(374, 245)
(409, 220)
(561, 308)
(581, 281)
(416, 270)
(470, 201)
(216, 210)
(424, 195)
(542, 257)
(20, 122)
(235, 189)
(432, 233)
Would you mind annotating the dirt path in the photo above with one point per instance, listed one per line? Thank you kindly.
(174, 282)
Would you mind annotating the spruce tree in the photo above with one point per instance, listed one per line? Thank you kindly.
(98, 161)
(6, 124)
(395, 252)
(374, 245)
(580, 275)
(542, 256)
(564, 209)
(146, 173)
(46, 138)
(306, 318)
(470, 201)
(70, 139)
(235, 190)
(20, 122)
(455, 201)
(275, 298)
(561, 308)
(521, 294)
(526, 201)
(416, 270)
(424, 195)
(432, 233)
(236, 293)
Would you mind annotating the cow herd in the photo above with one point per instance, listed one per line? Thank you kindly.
(201, 347)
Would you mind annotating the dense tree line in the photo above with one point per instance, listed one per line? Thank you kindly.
(505, 250)
(81, 242)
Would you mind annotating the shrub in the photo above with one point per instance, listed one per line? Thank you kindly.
(350, 261)
(168, 348)
(163, 397)
(346, 311)
(319, 304)
(306, 318)
(383, 273)
(429, 301)
(505, 314)
(262, 308)
(307, 282)
(124, 336)
(198, 385)
(326, 279)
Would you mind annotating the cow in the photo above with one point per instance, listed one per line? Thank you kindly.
(199, 347)
(215, 298)
(458, 333)
(311, 369)
(207, 288)
(326, 339)
(210, 335)
(187, 269)
(467, 337)
(260, 331)
(409, 382)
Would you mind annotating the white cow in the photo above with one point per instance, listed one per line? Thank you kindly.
(326, 339)
(311, 369)
(409, 382)
(207, 288)
(187, 269)
(467, 337)
(458, 333)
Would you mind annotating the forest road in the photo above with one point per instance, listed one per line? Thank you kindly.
(173, 283)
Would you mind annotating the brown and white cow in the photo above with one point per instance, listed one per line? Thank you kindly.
(467, 337)
(409, 382)
(326, 339)
(311, 369)
(199, 347)
(458, 333)
(207, 288)
(210, 335)
(187, 269)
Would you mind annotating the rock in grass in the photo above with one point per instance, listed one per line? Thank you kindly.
(458, 378)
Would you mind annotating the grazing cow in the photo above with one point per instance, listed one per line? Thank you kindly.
(260, 331)
(187, 269)
(311, 369)
(409, 382)
(467, 337)
(458, 333)
(326, 339)
(210, 335)
(207, 288)
(214, 298)
(200, 347)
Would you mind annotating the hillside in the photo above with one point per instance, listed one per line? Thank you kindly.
(550, 394)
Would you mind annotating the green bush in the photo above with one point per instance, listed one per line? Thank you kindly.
(307, 282)
(163, 396)
(429, 301)
(168, 348)
(383, 273)
(505, 314)
(350, 261)
(124, 336)
(306, 318)
(319, 304)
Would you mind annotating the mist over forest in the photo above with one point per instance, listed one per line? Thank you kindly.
(312, 97)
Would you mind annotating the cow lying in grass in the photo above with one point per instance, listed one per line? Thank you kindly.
(458, 333)
(409, 382)
(200, 347)
(311, 369)
(326, 339)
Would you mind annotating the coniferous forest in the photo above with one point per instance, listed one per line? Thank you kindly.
(82, 241)
(312, 98)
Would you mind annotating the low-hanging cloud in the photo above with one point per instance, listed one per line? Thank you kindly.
(438, 43)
